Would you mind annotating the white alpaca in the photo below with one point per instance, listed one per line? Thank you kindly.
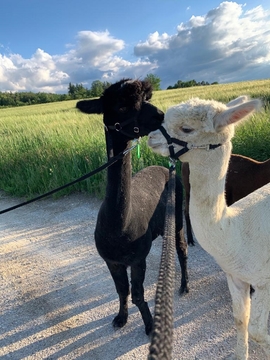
(238, 237)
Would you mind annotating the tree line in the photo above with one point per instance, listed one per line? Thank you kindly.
(9, 99)
(190, 83)
(75, 91)
(78, 91)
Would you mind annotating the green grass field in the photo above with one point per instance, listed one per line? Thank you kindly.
(45, 146)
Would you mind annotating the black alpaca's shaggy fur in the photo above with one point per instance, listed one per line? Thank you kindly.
(133, 211)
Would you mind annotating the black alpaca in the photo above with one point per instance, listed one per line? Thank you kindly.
(132, 213)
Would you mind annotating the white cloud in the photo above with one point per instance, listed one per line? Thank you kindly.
(93, 56)
(154, 43)
(226, 44)
(94, 48)
(39, 73)
(196, 21)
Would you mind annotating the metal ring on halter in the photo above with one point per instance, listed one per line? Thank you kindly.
(117, 126)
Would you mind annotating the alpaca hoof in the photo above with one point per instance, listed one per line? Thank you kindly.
(119, 321)
(183, 289)
(149, 328)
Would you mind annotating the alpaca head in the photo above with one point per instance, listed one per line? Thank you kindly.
(199, 123)
(126, 109)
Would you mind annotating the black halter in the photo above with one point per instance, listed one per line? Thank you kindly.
(186, 147)
(119, 127)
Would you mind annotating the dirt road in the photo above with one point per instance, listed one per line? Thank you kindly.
(57, 299)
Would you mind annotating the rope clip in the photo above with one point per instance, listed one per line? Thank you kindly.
(172, 163)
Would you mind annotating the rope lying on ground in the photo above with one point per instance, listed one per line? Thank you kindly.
(162, 334)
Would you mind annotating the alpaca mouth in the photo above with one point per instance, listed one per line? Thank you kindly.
(153, 145)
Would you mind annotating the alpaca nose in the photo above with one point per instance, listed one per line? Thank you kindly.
(152, 134)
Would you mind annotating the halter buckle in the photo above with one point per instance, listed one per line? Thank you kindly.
(206, 147)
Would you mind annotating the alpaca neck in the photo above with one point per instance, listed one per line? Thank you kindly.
(118, 186)
(207, 200)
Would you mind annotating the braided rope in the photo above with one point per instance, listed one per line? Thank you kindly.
(162, 334)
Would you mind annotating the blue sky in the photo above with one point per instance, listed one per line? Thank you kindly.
(46, 44)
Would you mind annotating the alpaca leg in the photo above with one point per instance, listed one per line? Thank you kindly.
(260, 306)
(186, 184)
(137, 293)
(181, 248)
(241, 310)
(180, 242)
(119, 275)
(189, 229)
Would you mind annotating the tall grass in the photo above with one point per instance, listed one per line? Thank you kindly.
(45, 146)
(222, 92)
(252, 138)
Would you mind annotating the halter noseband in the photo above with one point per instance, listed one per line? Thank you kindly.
(186, 146)
(119, 126)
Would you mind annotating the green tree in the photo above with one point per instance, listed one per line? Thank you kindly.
(154, 80)
(190, 83)
(71, 90)
(97, 88)
(80, 91)
(179, 84)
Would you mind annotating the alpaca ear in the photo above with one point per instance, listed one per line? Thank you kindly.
(240, 100)
(94, 106)
(236, 113)
(148, 89)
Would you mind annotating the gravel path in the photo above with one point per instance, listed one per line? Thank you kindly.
(57, 299)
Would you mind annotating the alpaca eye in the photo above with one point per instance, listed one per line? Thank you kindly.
(186, 130)
(123, 109)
